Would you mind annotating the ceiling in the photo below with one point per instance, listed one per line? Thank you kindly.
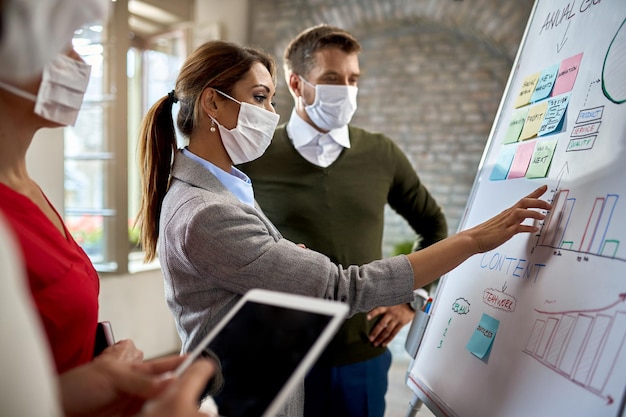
(151, 17)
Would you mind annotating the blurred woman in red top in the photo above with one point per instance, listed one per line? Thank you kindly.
(61, 277)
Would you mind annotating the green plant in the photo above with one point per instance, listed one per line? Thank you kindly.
(403, 248)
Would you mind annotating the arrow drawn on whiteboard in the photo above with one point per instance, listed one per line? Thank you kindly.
(559, 47)
(621, 299)
(589, 90)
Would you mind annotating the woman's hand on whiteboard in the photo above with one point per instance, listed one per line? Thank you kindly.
(500, 228)
(440, 258)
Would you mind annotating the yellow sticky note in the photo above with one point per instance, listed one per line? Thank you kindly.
(533, 120)
(527, 90)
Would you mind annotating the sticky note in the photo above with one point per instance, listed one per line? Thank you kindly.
(521, 160)
(545, 83)
(503, 163)
(515, 125)
(553, 119)
(534, 120)
(568, 70)
(541, 159)
(526, 90)
(482, 339)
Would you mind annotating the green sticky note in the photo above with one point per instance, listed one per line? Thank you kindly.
(515, 126)
(541, 159)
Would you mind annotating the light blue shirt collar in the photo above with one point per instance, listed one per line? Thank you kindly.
(236, 181)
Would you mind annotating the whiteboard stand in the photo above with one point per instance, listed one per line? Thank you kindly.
(415, 405)
(412, 343)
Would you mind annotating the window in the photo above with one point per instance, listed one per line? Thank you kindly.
(151, 75)
(129, 73)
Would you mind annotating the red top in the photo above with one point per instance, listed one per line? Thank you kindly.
(62, 280)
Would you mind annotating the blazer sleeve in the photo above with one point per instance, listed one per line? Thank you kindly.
(232, 245)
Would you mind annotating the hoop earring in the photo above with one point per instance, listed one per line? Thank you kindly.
(212, 128)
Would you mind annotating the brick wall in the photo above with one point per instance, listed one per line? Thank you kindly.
(433, 73)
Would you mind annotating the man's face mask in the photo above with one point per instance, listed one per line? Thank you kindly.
(34, 31)
(333, 107)
(61, 91)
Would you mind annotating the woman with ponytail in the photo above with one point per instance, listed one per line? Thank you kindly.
(213, 241)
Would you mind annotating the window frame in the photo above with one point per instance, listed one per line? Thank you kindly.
(119, 258)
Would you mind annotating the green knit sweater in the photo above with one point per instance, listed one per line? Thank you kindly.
(339, 211)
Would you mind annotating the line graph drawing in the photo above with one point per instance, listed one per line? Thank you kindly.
(582, 345)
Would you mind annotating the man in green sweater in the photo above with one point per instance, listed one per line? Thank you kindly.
(325, 184)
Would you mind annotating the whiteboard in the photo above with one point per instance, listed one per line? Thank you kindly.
(537, 327)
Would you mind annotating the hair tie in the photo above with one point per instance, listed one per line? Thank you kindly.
(172, 96)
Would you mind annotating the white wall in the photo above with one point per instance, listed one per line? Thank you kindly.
(135, 305)
(227, 19)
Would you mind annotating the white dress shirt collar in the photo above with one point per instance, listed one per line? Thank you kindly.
(321, 149)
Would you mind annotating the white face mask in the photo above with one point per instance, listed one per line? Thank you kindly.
(63, 85)
(253, 134)
(333, 107)
(34, 31)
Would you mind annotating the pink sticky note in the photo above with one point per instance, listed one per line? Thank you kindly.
(567, 75)
(521, 160)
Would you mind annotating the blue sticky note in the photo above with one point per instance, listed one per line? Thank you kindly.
(501, 169)
(482, 338)
(545, 83)
(553, 119)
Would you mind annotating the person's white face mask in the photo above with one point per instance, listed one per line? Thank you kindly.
(333, 107)
(253, 134)
(34, 31)
(63, 85)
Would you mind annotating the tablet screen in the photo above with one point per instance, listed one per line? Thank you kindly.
(259, 349)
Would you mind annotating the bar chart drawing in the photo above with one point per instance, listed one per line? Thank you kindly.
(583, 346)
(596, 238)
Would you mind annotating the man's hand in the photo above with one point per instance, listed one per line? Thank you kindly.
(393, 319)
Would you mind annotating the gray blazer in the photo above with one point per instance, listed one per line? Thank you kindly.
(213, 249)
